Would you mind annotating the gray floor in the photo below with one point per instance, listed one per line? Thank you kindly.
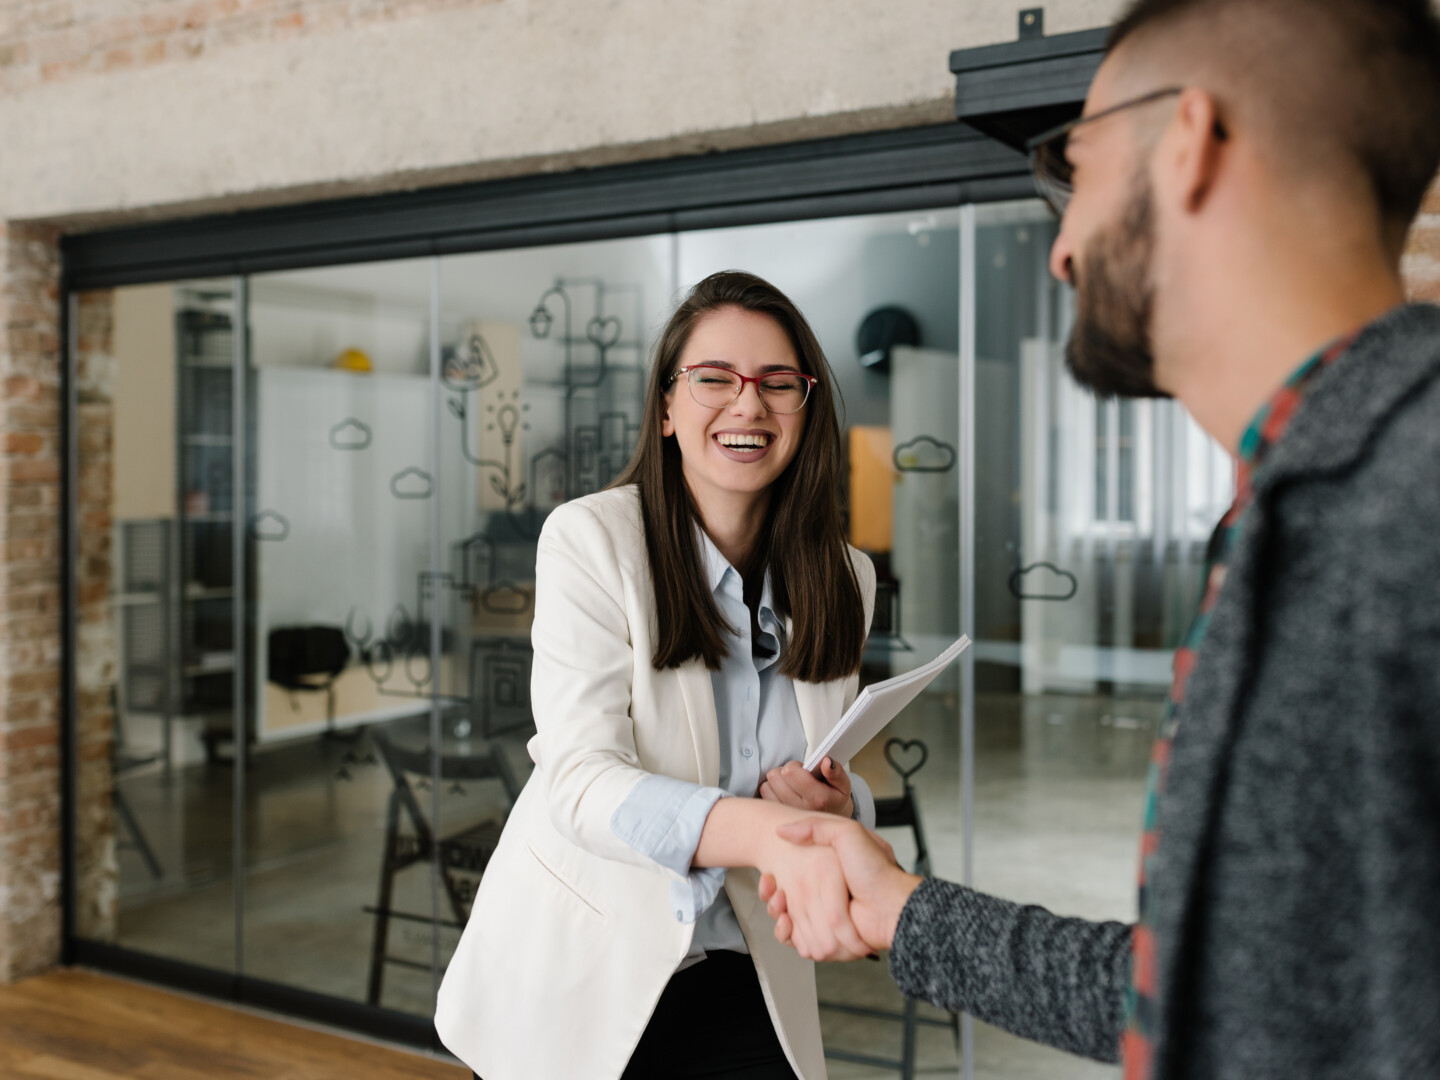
(1059, 783)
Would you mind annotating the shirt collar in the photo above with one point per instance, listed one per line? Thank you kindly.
(1274, 416)
(717, 566)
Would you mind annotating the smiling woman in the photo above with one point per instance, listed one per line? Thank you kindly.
(698, 630)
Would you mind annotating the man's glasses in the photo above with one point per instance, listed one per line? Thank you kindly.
(716, 387)
(1054, 175)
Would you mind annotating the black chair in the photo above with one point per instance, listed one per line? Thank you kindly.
(885, 621)
(899, 812)
(308, 659)
(463, 854)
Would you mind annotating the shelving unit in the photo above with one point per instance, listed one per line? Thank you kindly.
(205, 511)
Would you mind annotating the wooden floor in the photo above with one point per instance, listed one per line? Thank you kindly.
(76, 1025)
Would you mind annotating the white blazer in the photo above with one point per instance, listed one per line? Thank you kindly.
(571, 939)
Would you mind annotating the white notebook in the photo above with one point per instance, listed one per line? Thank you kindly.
(876, 706)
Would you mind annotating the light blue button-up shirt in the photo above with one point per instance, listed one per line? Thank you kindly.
(759, 727)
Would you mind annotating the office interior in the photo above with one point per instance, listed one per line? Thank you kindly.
(317, 513)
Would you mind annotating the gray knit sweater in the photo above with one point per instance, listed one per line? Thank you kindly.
(1297, 886)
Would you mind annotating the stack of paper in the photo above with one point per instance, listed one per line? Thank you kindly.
(876, 706)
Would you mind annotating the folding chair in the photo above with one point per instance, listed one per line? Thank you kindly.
(463, 854)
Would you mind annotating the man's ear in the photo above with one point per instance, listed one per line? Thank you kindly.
(1195, 146)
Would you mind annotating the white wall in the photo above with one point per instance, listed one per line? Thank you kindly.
(144, 461)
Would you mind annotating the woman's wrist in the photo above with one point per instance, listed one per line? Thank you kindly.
(741, 832)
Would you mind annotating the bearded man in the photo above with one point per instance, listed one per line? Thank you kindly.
(1235, 200)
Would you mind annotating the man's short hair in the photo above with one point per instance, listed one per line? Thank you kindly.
(1358, 78)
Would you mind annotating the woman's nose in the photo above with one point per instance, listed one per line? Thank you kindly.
(749, 402)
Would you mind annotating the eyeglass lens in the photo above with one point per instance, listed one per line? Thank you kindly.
(716, 388)
(1053, 172)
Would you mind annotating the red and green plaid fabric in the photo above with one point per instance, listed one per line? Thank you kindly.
(1264, 431)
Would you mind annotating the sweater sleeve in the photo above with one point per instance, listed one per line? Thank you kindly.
(1059, 981)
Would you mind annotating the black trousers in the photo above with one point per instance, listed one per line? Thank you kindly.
(711, 1023)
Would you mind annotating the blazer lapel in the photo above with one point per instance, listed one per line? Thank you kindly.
(699, 695)
(816, 718)
(817, 710)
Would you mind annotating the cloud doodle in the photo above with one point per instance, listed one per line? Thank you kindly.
(1049, 582)
(924, 454)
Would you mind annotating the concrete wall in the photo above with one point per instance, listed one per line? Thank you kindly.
(154, 105)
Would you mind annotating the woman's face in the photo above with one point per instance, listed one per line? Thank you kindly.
(754, 345)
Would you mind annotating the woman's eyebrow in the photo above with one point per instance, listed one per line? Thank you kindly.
(765, 369)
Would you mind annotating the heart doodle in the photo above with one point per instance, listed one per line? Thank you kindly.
(603, 333)
(898, 752)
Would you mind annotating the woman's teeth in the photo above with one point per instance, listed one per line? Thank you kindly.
(743, 442)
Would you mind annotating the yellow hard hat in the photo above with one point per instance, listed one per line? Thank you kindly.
(352, 360)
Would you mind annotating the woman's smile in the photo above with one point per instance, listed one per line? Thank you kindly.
(743, 445)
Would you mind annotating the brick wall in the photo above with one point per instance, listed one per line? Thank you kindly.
(29, 600)
(1422, 253)
(97, 874)
(58, 41)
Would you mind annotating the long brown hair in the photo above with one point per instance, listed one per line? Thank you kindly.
(802, 542)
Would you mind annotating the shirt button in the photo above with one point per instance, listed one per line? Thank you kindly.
(747, 751)
(680, 916)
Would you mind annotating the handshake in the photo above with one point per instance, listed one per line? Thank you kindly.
(832, 886)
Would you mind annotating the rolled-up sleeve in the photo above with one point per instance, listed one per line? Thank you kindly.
(662, 819)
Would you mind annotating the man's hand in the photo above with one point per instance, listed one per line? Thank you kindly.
(791, 785)
(818, 926)
(878, 887)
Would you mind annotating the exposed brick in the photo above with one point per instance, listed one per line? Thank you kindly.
(30, 565)
(32, 682)
(45, 472)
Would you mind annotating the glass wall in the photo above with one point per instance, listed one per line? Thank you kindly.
(1090, 525)
(308, 507)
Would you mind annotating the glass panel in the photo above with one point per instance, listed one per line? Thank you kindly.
(155, 644)
(1091, 521)
(545, 353)
(881, 292)
(341, 499)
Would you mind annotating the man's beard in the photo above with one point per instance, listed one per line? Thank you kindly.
(1109, 349)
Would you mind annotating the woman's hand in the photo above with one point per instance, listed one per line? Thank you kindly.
(817, 923)
(746, 832)
(791, 785)
(879, 889)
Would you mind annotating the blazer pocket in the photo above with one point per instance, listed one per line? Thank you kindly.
(554, 875)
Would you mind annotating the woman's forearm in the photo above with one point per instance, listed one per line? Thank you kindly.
(741, 832)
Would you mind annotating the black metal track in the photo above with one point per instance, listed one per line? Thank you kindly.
(905, 169)
(1015, 90)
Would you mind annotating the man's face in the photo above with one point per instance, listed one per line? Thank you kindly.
(1109, 349)
(1104, 249)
